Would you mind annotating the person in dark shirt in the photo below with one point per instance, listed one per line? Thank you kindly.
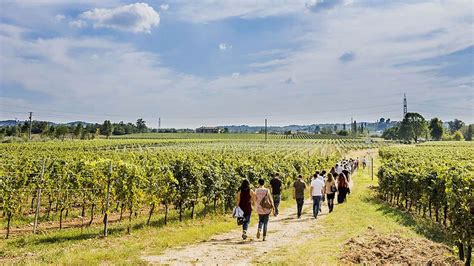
(276, 185)
(245, 199)
(298, 194)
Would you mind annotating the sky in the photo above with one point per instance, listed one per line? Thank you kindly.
(233, 62)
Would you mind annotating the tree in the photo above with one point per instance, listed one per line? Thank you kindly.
(413, 127)
(317, 129)
(106, 128)
(61, 131)
(468, 134)
(343, 133)
(436, 128)
(455, 125)
(354, 128)
(382, 120)
(391, 133)
(326, 131)
(141, 125)
(78, 130)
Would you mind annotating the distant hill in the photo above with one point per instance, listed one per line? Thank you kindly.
(6, 123)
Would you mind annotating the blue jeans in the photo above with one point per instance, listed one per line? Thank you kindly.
(263, 223)
(276, 202)
(245, 225)
(316, 206)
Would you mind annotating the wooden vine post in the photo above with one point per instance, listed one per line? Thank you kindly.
(106, 218)
(38, 200)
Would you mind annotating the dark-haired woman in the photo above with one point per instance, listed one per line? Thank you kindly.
(342, 188)
(330, 189)
(245, 200)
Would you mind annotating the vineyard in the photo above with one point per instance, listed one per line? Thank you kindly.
(436, 181)
(239, 136)
(54, 181)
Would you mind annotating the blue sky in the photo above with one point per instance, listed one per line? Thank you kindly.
(212, 62)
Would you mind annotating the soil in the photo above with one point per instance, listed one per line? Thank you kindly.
(381, 249)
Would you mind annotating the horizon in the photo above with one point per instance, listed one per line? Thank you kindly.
(212, 63)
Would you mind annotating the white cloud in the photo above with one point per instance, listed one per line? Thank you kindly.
(205, 11)
(133, 81)
(320, 5)
(83, 71)
(164, 7)
(138, 17)
(79, 24)
(59, 17)
(224, 46)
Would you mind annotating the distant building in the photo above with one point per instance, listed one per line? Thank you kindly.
(208, 130)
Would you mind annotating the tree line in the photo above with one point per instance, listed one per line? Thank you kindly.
(78, 130)
(415, 127)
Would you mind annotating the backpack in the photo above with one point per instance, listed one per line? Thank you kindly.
(265, 202)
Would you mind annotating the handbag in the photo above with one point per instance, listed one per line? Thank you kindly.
(265, 202)
(333, 189)
(238, 212)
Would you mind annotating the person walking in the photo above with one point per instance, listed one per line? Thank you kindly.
(276, 186)
(323, 176)
(264, 207)
(245, 199)
(330, 189)
(298, 194)
(317, 186)
(342, 188)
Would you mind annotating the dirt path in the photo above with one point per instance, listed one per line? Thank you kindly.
(229, 248)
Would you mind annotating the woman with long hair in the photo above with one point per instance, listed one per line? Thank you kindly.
(330, 187)
(342, 188)
(245, 199)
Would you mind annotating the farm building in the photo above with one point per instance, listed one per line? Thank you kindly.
(208, 130)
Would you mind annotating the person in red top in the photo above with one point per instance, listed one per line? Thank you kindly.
(342, 188)
(245, 199)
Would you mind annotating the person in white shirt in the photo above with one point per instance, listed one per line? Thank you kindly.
(317, 186)
(338, 169)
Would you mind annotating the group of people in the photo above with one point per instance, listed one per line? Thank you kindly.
(323, 187)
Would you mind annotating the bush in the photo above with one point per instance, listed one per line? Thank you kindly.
(458, 136)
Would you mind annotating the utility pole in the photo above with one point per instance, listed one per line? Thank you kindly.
(405, 105)
(159, 123)
(266, 130)
(29, 132)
